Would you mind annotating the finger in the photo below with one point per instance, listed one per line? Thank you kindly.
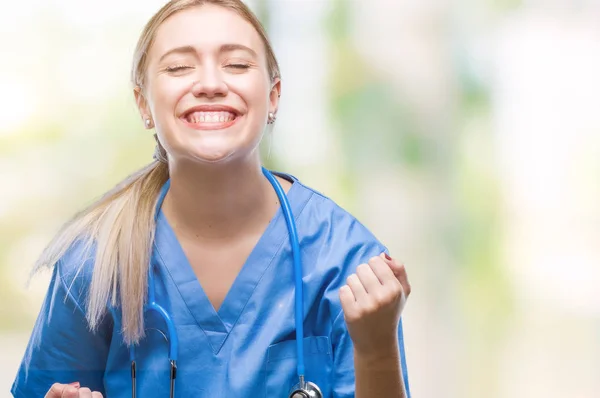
(70, 392)
(347, 299)
(401, 275)
(382, 271)
(85, 393)
(399, 271)
(368, 278)
(360, 294)
(96, 394)
(55, 391)
(394, 265)
(403, 278)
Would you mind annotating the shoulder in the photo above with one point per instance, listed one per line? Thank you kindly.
(333, 244)
(325, 216)
(74, 271)
(334, 241)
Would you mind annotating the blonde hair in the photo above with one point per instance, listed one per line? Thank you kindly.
(120, 225)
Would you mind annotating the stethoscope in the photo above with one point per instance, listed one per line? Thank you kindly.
(303, 389)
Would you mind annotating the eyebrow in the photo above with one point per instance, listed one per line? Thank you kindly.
(223, 49)
(237, 47)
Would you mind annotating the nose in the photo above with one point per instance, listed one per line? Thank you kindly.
(210, 84)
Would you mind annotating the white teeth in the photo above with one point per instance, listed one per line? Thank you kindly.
(210, 117)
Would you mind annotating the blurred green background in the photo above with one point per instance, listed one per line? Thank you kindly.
(464, 134)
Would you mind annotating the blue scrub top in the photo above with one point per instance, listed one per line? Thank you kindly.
(246, 348)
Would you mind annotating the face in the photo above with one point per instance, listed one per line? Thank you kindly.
(207, 88)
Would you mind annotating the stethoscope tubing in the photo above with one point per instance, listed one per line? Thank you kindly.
(296, 255)
(173, 339)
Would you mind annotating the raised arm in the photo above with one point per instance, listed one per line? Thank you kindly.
(372, 302)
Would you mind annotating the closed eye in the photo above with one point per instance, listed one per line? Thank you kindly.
(177, 68)
(238, 66)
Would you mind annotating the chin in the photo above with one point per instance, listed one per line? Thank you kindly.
(213, 157)
(216, 146)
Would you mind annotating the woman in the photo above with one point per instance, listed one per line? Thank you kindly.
(207, 219)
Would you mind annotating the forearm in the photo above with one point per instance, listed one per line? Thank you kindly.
(379, 375)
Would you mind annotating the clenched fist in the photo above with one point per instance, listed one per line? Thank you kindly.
(372, 301)
(72, 390)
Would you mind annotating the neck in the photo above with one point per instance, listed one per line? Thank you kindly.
(218, 202)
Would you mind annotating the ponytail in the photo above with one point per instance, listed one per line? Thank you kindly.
(120, 226)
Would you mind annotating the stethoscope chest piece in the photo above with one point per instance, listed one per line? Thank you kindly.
(310, 390)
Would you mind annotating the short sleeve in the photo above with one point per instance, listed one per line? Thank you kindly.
(343, 359)
(61, 348)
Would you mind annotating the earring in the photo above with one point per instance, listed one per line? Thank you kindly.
(147, 121)
(271, 118)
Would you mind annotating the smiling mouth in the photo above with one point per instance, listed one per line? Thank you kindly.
(210, 120)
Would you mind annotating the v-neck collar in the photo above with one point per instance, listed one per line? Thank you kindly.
(217, 325)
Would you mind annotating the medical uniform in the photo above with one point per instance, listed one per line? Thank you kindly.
(246, 348)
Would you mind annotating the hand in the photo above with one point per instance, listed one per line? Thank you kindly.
(372, 301)
(72, 390)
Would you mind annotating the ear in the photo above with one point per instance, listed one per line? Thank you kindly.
(274, 96)
(143, 107)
